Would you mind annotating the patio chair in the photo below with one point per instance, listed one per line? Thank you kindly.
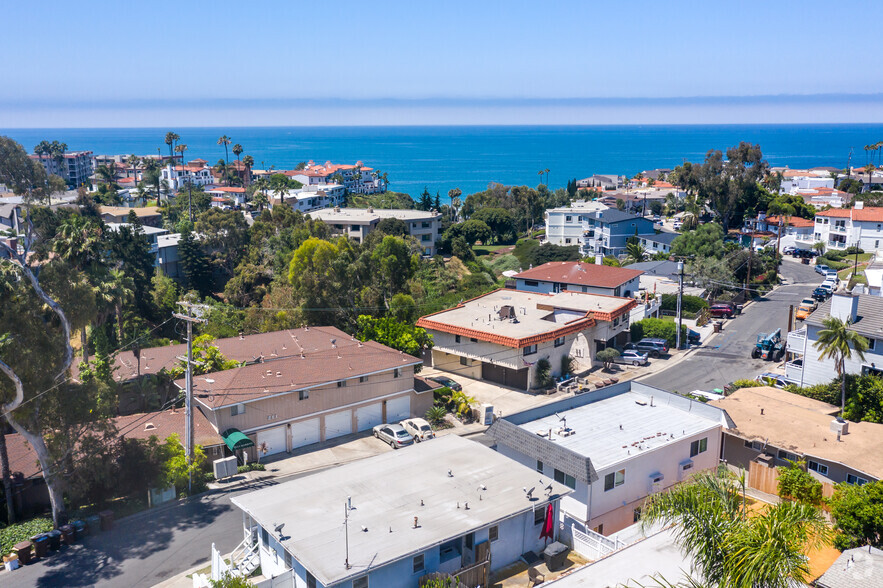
(534, 577)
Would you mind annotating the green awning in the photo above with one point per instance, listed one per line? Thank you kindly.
(236, 439)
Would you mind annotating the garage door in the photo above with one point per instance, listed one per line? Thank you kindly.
(274, 438)
(368, 416)
(505, 376)
(398, 409)
(304, 433)
(339, 423)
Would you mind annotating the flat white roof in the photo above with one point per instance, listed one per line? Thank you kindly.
(148, 230)
(168, 240)
(614, 429)
(368, 215)
(386, 493)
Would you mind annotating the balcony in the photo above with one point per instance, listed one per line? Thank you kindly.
(794, 370)
(797, 341)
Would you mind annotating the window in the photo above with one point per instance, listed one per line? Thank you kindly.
(493, 533)
(355, 227)
(599, 529)
(559, 341)
(418, 566)
(614, 479)
(341, 383)
(473, 339)
(817, 467)
(363, 379)
(237, 409)
(565, 479)
(426, 237)
(850, 479)
(787, 455)
(464, 361)
(529, 350)
(303, 394)
(616, 322)
(265, 538)
(871, 343)
(636, 515)
(532, 283)
(539, 515)
(362, 582)
(425, 224)
(755, 445)
(699, 446)
(288, 560)
(567, 240)
(456, 338)
(567, 219)
(395, 373)
(311, 580)
(539, 466)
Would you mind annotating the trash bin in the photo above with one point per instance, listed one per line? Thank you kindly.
(93, 524)
(67, 535)
(106, 520)
(10, 562)
(23, 551)
(555, 555)
(717, 326)
(80, 529)
(41, 544)
(54, 539)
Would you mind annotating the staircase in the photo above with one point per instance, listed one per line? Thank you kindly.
(245, 558)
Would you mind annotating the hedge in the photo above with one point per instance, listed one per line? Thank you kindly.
(663, 329)
(691, 304)
(22, 532)
(833, 264)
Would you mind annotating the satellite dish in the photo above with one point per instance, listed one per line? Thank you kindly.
(278, 528)
(530, 492)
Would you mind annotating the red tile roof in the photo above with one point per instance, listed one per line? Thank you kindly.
(867, 214)
(583, 274)
(22, 457)
(794, 221)
(230, 189)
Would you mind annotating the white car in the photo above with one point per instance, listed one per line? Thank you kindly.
(393, 435)
(419, 429)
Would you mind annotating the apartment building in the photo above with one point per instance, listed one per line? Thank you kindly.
(321, 384)
(357, 179)
(312, 197)
(614, 447)
(597, 232)
(576, 276)
(847, 227)
(865, 315)
(602, 181)
(356, 223)
(194, 173)
(449, 506)
(501, 336)
(772, 426)
(74, 167)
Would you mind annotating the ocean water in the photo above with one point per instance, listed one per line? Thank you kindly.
(471, 157)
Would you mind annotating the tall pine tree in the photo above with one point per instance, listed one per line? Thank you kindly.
(195, 265)
(425, 200)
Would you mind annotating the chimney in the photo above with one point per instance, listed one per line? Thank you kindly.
(599, 259)
(859, 205)
(844, 306)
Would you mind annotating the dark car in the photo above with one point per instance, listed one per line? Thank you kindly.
(651, 346)
(693, 337)
(820, 294)
(447, 382)
(721, 310)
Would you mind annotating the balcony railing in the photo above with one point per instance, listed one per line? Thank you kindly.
(796, 341)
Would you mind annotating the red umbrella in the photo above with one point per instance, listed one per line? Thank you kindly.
(549, 524)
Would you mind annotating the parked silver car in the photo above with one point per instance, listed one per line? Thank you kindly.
(419, 429)
(394, 435)
(632, 357)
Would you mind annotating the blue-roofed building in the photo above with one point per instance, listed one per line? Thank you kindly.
(658, 243)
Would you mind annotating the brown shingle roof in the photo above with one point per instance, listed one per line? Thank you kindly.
(583, 274)
(319, 364)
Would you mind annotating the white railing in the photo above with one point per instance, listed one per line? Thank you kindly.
(284, 580)
(594, 545)
(796, 341)
(219, 566)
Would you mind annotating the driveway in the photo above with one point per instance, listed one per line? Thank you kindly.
(727, 356)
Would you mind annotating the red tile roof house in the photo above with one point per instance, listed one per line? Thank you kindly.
(839, 228)
(500, 337)
(576, 276)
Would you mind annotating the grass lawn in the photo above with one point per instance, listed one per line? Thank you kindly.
(489, 249)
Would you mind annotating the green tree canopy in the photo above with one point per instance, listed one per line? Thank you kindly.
(705, 241)
(858, 515)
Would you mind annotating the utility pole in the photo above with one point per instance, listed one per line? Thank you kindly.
(189, 318)
(680, 296)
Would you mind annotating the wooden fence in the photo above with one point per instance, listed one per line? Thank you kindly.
(766, 479)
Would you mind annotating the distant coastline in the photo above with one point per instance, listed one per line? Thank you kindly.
(471, 156)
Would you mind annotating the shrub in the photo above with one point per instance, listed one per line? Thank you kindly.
(251, 467)
(22, 532)
(747, 384)
(442, 396)
(653, 327)
(798, 484)
(852, 250)
(436, 415)
(567, 364)
(691, 304)
(607, 356)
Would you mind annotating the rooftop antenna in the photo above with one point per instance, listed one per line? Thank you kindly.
(563, 419)
(346, 531)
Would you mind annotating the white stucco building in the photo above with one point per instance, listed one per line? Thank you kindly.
(501, 336)
(194, 173)
(614, 446)
(845, 227)
(356, 223)
(446, 505)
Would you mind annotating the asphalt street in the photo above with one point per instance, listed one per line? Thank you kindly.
(727, 356)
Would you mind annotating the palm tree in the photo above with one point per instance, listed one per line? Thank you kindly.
(225, 140)
(636, 252)
(106, 173)
(280, 188)
(454, 194)
(869, 169)
(837, 341)
(248, 162)
(546, 171)
(729, 548)
(152, 176)
(171, 139)
(181, 148)
(540, 173)
(133, 160)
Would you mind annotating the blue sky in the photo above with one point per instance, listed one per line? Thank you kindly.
(93, 63)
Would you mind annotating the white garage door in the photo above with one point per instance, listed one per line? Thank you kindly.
(339, 423)
(304, 433)
(398, 409)
(274, 438)
(368, 416)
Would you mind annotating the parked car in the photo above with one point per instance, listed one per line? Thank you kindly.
(788, 250)
(832, 276)
(822, 269)
(447, 382)
(803, 311)
(809, 302)
(419, 429)
(394, 435)
(652, 346)
(820, 294)
(770, 379)
(721, 310)
(693, 337)
(828, 287)
(631, 357)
